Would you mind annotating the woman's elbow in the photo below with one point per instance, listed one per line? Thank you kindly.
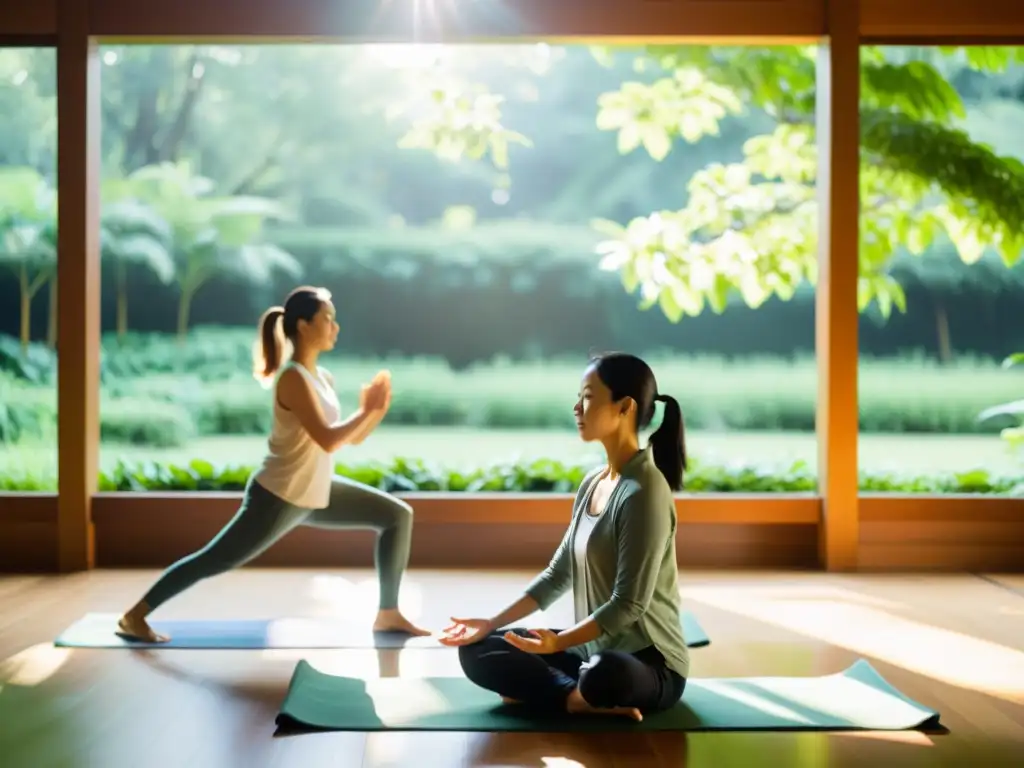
(633, 613)
(631, 610)
(328, 441)
(618, 614)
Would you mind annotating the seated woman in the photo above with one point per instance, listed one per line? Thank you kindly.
(626, 655)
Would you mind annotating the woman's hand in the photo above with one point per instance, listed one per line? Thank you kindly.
(543, 641)
(375, 396)
(465, 631)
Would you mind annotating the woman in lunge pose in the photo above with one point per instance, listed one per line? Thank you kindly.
(295, 485)
(626, 654)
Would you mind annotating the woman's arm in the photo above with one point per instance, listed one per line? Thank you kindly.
(295, 394)
(584, 632)
(364, 430)
(553, 581)
(372, 422)
(520, 609)
(376, 417)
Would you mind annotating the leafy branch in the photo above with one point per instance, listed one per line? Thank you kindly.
(749, 228)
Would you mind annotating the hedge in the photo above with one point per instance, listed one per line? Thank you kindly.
(163, 408)
(542, 476)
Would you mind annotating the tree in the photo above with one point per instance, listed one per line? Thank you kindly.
(132, 234)
(28, 236)
(268, 122)
(941, 275)
(211, 235)
(750, 227)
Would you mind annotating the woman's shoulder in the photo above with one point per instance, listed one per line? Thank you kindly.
(295, 371)
(289, 371)
(646, 490)
(293, 377)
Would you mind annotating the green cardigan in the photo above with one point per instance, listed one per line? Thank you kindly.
(632, 578)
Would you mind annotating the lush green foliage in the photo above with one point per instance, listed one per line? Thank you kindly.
(346, 109)
(543, 476)
(157, 393)
(163, 217)
(211, 233)
(749, 228)
(1013, 435)
(28, 239)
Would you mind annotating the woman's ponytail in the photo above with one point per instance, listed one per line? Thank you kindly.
(669, 443)
(269, 345)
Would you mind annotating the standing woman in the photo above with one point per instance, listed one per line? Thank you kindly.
(626, 654)
(296, 485)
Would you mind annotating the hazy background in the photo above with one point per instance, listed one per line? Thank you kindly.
(476, 284)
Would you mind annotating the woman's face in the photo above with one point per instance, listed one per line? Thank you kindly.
(321, 333)
(597, 415)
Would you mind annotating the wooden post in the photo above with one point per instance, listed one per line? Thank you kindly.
(78, 282)
(838, 138)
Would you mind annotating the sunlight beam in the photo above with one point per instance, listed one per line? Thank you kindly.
(337, 596)
(396, 704)
(941, 654)
(436, 21)
(912, 738)
(33, 666)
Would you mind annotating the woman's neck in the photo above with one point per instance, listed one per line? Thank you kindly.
(620, 450)
(306, 358)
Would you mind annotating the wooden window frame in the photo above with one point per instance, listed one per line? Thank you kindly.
(837, 529)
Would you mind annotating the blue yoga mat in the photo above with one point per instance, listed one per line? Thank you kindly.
(98, 630)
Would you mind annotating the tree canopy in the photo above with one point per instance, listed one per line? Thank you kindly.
(750, 227)
(366, 139)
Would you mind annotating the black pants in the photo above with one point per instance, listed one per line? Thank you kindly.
(607, 679)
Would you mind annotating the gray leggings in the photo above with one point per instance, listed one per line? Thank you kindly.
(264, 519)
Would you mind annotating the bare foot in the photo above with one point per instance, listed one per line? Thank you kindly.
(577, 705)
(394, 621)
(136, 628)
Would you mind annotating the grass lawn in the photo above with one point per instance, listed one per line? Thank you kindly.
(904, 454)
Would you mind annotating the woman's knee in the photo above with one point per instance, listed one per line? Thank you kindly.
(468, 655)
(469, 660)
(479, 659)
(399, 513)
(605, 679)
(406, 510)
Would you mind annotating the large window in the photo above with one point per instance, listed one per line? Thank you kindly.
(28, 261)
(941, 205)
(486, 217)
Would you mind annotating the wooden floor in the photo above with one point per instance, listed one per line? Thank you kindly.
(955, 643)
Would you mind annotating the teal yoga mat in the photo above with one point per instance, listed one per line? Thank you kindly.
(97, 630)
(856, 699)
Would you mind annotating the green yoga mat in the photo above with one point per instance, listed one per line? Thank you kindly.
(856, 699)
(97, 630)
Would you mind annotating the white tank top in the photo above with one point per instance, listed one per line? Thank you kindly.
(296, 468)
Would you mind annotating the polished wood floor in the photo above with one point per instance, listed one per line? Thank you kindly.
(953, 642)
